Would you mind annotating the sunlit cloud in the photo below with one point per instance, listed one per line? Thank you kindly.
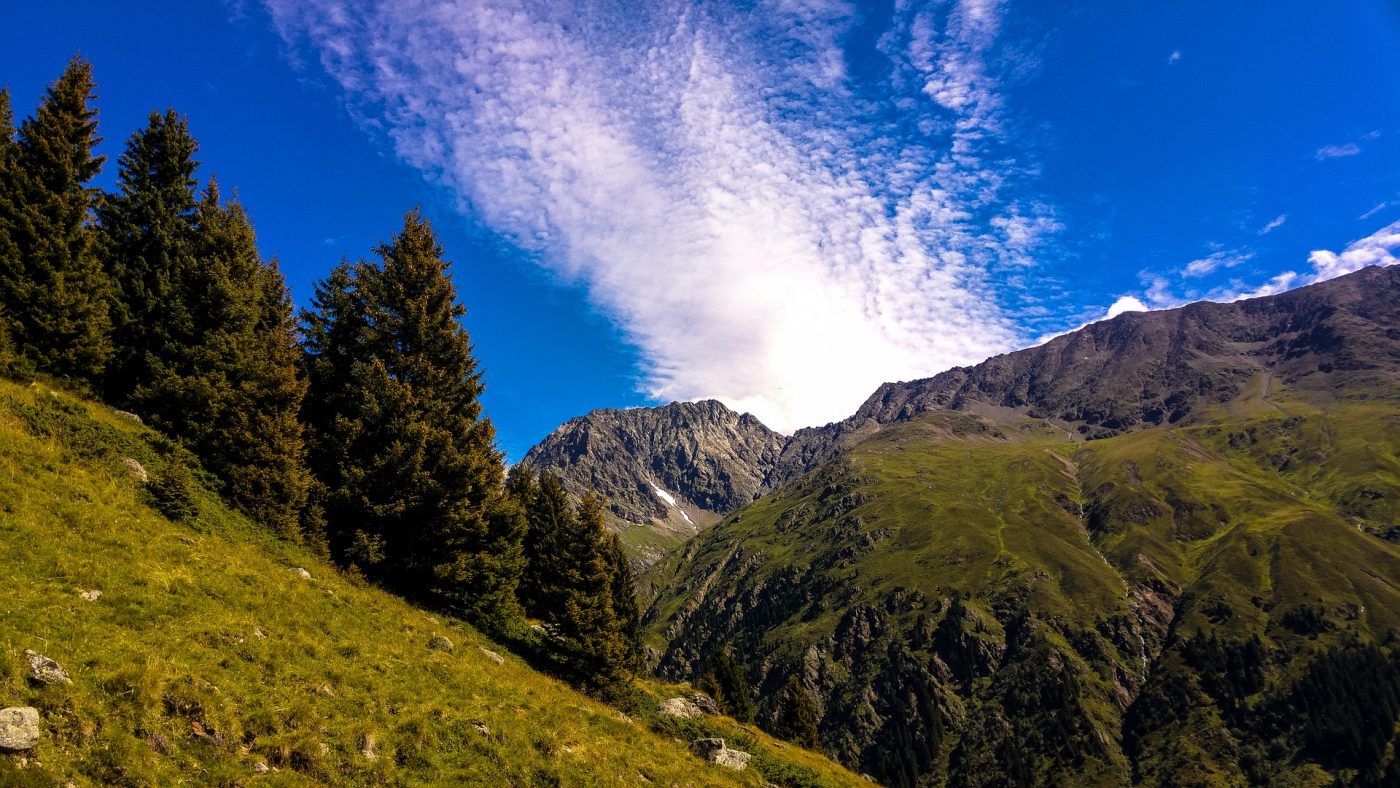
(763, 232)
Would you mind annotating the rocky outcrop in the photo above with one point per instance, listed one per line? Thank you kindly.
(683, 708)
(715, 751)
(19, 729)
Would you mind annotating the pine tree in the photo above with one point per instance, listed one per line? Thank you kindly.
(724, 681)
(797, 716)
(409, 476)
(148, 237)
(52, 287)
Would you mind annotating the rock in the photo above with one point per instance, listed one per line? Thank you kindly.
(259, 634)
(91, 595)
(440, 643)
(158, 742)
(481, 728)
(19, 729)
(261, 767)
(679, 707)
(134, 468)
(704, 702)
(126, 414)
(493, 656)
(189, 540)
(44, 670)
(367, 747)
(302, 573)
(714, 751)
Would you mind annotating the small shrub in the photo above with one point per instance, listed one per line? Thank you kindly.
(172, 493)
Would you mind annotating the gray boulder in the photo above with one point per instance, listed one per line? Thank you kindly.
(44, 670)
(704, 702)
(714, 751)
(134, 468)
(440, 643)
(19, 729)
(679, 707)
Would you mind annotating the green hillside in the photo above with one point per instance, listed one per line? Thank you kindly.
(980, 602)
(206, 653)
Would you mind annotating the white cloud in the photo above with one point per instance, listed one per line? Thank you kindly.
(1174, 57)
(1381, 206)
(1273, 225)
(759, 231)
(1379, 248)
(1338, 151)
(1217, 260)
(1375, 249)
(1125, 304)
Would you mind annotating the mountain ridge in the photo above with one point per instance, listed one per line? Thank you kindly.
(1161, 368)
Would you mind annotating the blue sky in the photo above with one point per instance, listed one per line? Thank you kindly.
(779, 203)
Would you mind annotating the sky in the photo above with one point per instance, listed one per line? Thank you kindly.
(780, 204)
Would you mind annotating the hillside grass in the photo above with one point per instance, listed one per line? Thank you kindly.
(207, 653)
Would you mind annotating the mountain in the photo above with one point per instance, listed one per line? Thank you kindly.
(666, 472)
(1162, 549)
(208, 651)
(669, 472)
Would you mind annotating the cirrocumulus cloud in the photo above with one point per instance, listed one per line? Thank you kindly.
(765, 232)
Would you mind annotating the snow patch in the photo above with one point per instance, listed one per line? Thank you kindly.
(663, 495)
(686, 516)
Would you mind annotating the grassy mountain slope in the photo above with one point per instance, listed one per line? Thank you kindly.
(206, 653)
(980, 601)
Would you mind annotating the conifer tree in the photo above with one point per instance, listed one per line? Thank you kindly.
(724, 681)
(228, 384)
(52, 287)
(148, 235)
(797, 716)
(9, 252)
(598, 647)
(551, 520)
(410, 479)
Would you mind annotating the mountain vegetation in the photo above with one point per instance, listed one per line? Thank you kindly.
(200, 647)
(975, 593)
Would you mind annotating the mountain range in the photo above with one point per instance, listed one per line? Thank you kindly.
(1161, 549)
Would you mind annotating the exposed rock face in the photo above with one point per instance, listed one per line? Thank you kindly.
(998, 574)
(673, 469)
(715, 751)
(19, 729)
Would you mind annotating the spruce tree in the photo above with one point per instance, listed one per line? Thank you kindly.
(797, 716)
(724, 681)
(410, 479)
(52, 287)
(551, 521)
(597, 646)
(148, 236)
(9, 252)
(229, 385)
